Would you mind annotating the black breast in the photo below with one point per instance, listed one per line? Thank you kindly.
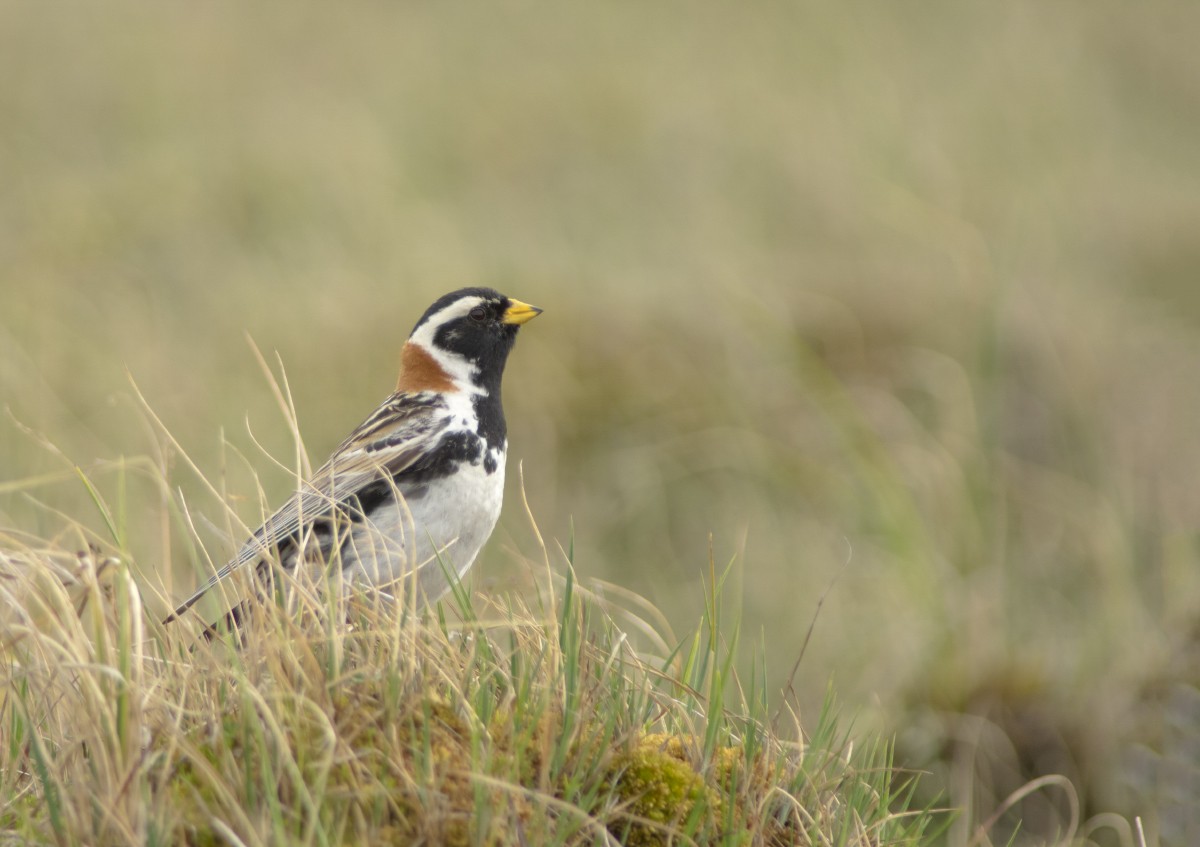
(454, 449)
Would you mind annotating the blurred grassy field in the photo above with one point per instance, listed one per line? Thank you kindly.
(902, 299)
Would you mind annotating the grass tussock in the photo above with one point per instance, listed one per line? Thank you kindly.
(338, 717)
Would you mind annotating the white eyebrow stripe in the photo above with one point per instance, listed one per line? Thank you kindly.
(460, 370)
(458, 309)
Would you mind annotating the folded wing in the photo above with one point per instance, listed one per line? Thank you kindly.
(368, 464)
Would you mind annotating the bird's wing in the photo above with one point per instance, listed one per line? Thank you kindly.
(389, 442)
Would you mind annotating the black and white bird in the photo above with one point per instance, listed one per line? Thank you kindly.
(416, 489)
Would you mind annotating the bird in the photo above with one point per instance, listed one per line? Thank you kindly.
(415, 491)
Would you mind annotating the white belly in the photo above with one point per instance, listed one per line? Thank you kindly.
(440, 530)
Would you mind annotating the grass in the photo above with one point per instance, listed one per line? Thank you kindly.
(341, 717)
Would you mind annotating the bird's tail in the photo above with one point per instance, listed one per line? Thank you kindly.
(232, 621)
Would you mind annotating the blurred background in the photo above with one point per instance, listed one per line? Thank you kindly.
(898, 302)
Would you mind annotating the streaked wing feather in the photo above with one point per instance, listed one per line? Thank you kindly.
(384, 446)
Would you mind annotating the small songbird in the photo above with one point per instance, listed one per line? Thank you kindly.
(416, 489)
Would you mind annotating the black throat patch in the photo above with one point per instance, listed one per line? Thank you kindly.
(492, 427)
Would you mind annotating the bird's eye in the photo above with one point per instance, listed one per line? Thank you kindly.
(478, 314)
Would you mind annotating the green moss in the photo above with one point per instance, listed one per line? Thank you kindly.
(664, 789)
(659, 791)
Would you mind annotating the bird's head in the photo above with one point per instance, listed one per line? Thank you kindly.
(462, 342)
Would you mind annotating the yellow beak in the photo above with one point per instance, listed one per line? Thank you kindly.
(518, 313)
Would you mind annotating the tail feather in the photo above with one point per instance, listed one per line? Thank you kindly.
(232, 621)
(235, 617)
